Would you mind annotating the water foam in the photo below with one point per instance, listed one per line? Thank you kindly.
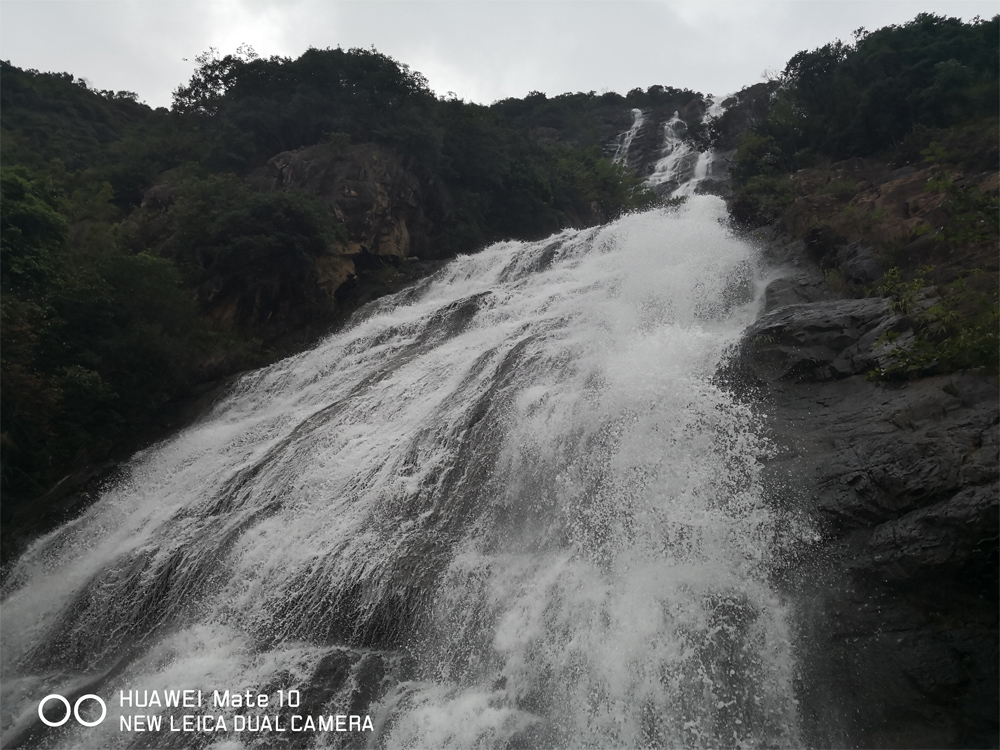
(520, 475)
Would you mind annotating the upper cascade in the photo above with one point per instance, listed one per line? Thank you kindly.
(624, 141)
(674, 165)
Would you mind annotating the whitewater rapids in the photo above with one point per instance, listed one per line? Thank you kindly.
(517, 486)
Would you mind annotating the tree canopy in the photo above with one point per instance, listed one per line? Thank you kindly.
(860, 98)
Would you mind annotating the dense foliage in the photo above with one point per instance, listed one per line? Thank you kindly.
(95, 337)
(247, 253)
(586, 119)
(889, 93)
(56, 116)
(858, 99)
(504, 182)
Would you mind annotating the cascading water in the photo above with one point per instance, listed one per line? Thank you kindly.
(509, 506)
(679, 156)
(626, 138)
(682, 170)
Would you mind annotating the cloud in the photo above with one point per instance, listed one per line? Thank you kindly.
(481, 50)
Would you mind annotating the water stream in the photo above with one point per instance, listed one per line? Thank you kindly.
(508, 507)
(624, 141)
(681, 169)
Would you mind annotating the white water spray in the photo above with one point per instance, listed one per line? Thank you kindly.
(513, 493)
(679, 156)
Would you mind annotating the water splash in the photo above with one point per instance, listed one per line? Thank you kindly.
(511, 501)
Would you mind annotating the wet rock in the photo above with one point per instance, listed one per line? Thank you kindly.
(896, 601)
(947, 534)
(812, 342)
(860, 263)
(795, 289)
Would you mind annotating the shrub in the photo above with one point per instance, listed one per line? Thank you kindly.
(958, 332)
(761, 199)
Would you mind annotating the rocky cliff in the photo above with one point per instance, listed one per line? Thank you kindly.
(896, 584)
(385, 209)
(383, 206)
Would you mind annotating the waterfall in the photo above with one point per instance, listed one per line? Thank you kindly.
(679, 156)
(681, 169)
(626, 138)
(509, 506)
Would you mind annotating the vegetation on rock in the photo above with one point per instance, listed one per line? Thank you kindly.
(891, 142)
(888, 94)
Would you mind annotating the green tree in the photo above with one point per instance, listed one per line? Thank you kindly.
(32, 231)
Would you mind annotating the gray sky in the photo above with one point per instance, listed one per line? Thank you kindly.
(482, 51)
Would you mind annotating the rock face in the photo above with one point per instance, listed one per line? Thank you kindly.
(379, 202)
(383, 208)
(896, 583)
(366, 187)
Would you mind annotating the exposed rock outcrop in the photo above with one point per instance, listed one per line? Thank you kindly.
(379, 202)
(897, 590)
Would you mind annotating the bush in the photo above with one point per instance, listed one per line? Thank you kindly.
(958, 332)
(251, 251)
(761, 199)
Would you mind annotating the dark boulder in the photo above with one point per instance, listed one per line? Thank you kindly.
(814, 342)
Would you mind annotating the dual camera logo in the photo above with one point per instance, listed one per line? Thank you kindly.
(74, 711)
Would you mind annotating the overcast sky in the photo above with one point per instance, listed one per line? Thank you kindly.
(481, 51)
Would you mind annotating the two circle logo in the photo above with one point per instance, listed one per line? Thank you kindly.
(75, 711)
